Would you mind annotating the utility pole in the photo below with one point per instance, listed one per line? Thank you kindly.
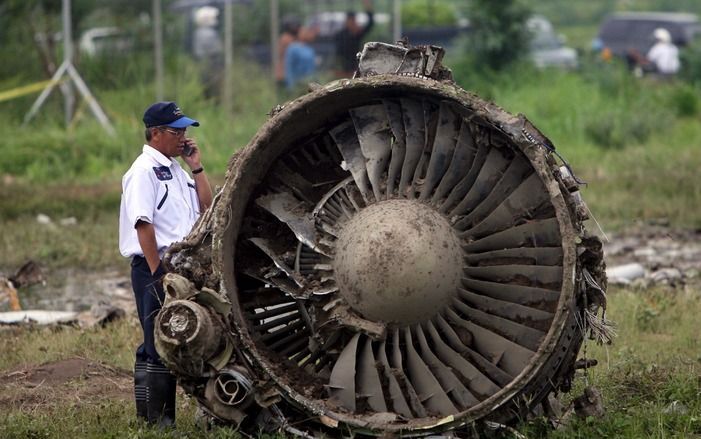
(228, 53)
(67, 68)
(158, 48)
(274, 43)
(397, 21)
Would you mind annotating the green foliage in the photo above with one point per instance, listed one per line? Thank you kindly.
(648, 377)
(417, 13)
(616, 128)
(106, 420)
(570, 13)
(499, 36)
(90, 245)
(85, 152)
(252, 22)
(40, 345)
(684, 99)
(691, 64)
(653, 307)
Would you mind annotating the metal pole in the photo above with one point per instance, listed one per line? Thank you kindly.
(228, 53)
(69, 96)
(46, 92)
(397, 23)
(274, 33)
(158, 48)
(66, 89)
(92, 102)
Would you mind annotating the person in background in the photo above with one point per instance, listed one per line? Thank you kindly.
(664, 55)
(208, 49)
(160, 204)
(290, 29)
(349, 39)
(300, 58)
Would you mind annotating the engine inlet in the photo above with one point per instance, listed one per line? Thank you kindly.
(401, 257)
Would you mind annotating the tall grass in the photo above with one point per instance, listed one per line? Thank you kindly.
(45, 151)
(650, 377)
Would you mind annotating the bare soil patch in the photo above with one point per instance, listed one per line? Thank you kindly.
(70, 381)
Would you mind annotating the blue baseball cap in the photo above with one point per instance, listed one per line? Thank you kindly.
(167, 114)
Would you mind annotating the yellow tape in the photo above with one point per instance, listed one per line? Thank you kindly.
(25, 90)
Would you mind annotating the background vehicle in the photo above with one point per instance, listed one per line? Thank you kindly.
(624, 32)
(547, 47)
(99, 40)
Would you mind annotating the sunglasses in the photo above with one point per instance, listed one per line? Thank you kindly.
(174, 131)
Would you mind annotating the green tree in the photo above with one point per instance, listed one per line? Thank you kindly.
(31, 26)
(417, 13)
(499, 36)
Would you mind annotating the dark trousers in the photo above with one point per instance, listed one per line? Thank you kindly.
(149, 295)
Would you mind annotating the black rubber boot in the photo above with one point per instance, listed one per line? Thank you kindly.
(161, 396)
(140, 390)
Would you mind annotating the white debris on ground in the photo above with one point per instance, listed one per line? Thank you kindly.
(653, 255)
(46, 220)
(37, 316)
(70, 221)
(625, 274)
(75, 297)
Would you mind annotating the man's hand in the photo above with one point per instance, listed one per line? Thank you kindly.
(194, 160)
(147, 240)
(204, 190)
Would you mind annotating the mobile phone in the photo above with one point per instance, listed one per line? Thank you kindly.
(187, 148)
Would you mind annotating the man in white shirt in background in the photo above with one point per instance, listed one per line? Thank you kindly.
(160, 204)
(664, 55)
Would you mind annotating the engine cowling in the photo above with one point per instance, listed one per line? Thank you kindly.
(400, 257)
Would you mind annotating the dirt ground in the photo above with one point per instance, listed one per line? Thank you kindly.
(64, 382)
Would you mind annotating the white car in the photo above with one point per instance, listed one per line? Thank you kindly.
(547, 47)
(100, 40)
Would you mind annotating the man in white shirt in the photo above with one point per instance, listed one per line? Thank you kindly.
(664, 55)
(160, 204)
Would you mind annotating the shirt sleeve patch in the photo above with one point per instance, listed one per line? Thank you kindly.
(163, 173)
(191, 185)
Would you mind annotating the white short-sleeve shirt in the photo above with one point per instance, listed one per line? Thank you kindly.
(156, 190)
(665, 56)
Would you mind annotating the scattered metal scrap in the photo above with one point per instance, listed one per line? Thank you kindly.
(389, 256)
(652, 254)
(28, 274)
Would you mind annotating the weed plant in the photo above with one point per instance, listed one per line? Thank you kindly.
(650, 378)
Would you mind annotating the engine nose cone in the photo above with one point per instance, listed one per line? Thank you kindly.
(398, 261)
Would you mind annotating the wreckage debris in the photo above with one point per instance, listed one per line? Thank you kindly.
(38, 317)
(625, 274)
(649, 255)
(99, 315)
(390, 255)
(28, 274)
